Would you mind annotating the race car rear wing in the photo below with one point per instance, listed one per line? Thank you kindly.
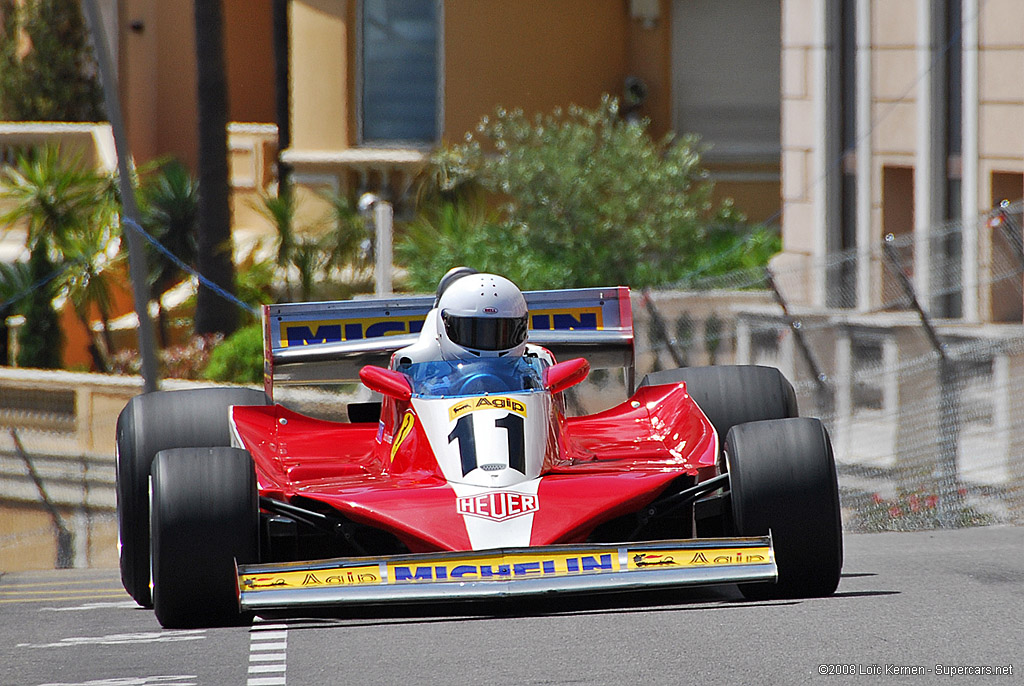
(329, 342)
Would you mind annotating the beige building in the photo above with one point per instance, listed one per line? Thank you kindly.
(375, 85)
(902, 117)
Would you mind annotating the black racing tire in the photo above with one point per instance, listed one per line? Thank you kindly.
(204, 518)
(782, 478)
(733, 394)
(148, 424)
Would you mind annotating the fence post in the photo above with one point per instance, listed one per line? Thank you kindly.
(949, 393)
(822, 395)
(661, 330)
(138, 271)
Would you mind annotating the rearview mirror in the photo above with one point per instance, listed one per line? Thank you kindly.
(566, 374)
(386, 382)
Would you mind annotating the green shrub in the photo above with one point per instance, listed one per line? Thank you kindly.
(239, 359)
(575, 198)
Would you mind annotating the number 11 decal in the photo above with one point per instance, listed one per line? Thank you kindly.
(514, 427)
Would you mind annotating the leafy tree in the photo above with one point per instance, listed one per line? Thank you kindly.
(581, 198)
(47, 70)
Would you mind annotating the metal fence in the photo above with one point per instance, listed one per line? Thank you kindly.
(926, 414)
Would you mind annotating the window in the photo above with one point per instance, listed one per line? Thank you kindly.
(399, 84)
(898, 219)
(1005, 265)
(726, 77)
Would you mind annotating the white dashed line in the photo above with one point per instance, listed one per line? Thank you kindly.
(266, 657)
(268, 645)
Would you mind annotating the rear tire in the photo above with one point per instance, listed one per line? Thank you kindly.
(733, 394)
(782, 478)
(204, 519)
(148, 424)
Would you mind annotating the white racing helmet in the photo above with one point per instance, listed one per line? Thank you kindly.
(481, 315)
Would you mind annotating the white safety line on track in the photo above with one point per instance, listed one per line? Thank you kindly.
(268, 646)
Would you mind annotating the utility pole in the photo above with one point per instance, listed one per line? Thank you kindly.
(136, 250)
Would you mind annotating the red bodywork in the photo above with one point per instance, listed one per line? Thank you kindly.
(603, 466)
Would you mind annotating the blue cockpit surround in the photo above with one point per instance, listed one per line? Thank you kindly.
(454, 378)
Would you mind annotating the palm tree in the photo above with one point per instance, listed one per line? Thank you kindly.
(171, 210)
(214, 314)
(279, 210)
(339, 242)
(349, 242)
(70, 217)
(15, 284)
(89, 282)
(41, 340)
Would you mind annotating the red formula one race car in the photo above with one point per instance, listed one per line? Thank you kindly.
(468, 480)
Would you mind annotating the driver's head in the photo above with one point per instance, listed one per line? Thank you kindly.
(481, 315)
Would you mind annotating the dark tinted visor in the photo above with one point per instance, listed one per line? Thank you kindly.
(485, 333)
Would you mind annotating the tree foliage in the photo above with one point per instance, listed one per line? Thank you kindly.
(239, 359)
(69, 212)
(336, 246)
(169, 200)
(576, 198)
(47, 69)
(40, 340)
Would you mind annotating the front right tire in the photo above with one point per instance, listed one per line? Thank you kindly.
(782, 480)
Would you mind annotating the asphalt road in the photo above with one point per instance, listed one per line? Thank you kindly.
(907, 601)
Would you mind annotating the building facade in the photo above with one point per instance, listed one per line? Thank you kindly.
(902, 119)
(376, 84)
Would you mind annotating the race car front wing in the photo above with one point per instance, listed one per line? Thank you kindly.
(504, 573)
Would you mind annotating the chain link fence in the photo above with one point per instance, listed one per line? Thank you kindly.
(925, 413)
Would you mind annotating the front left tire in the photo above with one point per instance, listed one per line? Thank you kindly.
(204, 520)
(148, 424)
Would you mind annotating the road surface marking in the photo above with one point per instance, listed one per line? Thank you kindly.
(268, 645)
(121, 639)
